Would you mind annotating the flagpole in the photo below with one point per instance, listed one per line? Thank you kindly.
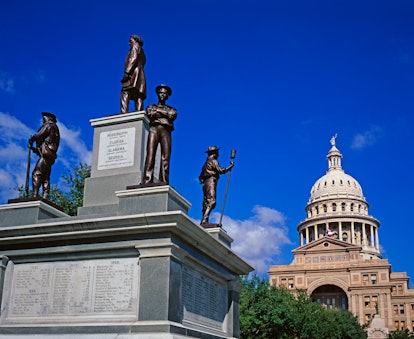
(232, 157)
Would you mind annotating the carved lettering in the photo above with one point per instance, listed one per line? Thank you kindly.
(95, 287)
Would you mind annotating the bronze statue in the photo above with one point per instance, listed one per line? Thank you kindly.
(209, 176)
(47, 141)
(133, 83)
(162, 119)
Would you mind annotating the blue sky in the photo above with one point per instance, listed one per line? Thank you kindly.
(272, 79)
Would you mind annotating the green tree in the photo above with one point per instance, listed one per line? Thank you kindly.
(70, 196)
(401, 334)
(274, 312)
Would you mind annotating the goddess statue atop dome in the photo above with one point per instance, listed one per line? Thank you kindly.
(333, 139)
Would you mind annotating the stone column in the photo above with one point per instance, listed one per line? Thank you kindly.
(233, 314)
(390, 322)
(340, 230)
(364, 234)
(301, 238)
(353, 232)
(307, 235)
(3, 265)
(315, 229)
(372, 244)
(376, 239)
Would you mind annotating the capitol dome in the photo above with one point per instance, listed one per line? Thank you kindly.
(337, 208)
(335, 183)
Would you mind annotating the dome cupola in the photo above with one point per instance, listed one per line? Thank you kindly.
(335, 183)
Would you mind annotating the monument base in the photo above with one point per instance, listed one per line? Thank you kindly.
(25, 211)
(132, 264)
(147, 271)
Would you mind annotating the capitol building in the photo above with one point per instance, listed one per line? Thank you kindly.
(339, 262)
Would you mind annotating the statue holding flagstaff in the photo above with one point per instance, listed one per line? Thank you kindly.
(133, 82)
(47, 141)
(209, 176)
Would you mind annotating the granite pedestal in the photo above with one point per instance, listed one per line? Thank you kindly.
(132, 264)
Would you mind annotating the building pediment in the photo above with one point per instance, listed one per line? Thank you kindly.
(326, 244)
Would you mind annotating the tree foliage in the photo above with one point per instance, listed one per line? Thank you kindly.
(70, 196)
(401, 334)
(74, 181)
(273, 312)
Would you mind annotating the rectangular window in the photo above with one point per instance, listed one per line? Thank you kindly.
(374, 301)
(283, 282)
(290, 283)
(402, 325)
(396, 325)
(367, 301)
(402, 309)
(373, 279)
(367, 319)
(395, 309)
(365, 278)
(394, 290)
(412, 309)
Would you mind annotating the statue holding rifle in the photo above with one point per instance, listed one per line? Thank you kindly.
(47, 140)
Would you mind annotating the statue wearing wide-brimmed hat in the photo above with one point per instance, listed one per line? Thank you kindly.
(47, 140)
(210, 173)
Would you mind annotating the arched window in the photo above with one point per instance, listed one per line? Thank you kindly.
(345, 237)
(325, 208)
(317, 209)
(343, 207)
(352, 207)
(334, 207)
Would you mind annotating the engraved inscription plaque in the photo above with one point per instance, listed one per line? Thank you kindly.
(116, 148)
(204, 300)
(82, 288)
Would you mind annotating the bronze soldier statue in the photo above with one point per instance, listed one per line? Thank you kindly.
(47, 141)
(161, 118)
(133, 82)
(209, 176)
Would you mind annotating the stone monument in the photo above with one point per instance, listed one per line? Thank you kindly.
(377, 330)
(132, 264)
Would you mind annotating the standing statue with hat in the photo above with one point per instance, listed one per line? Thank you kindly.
(161, 118)
(47, 141)
(209, 176)
(133, 82)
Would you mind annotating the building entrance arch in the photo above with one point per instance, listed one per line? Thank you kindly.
(331, 295)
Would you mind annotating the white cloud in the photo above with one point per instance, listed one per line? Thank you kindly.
(259, 238)
(6, 83)
(71, 141)
(14, 135)
(367, 138)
